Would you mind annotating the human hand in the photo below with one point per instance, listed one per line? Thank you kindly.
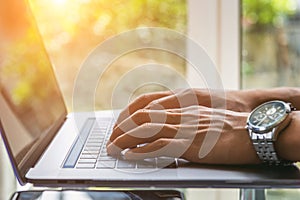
(195, 133)
(235, 100)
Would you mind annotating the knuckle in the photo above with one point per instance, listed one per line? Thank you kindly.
(141, 116)
(152, 103)
(161, 142)
(140, 112)
(155, 104)
(156, 101)
(143, 97)
(145, 126)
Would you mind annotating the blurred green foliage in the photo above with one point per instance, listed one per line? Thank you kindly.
(128, 14)
(26, 71)
(268, 30)
(267, 12)
(81, 19)
(71, 29)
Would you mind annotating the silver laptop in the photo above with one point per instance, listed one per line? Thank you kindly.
(48, 146)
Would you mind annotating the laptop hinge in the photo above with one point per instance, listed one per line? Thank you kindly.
(35, 153)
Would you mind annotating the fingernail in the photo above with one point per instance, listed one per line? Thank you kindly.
(130, 155)
(127, 154)
(112, 149)
(108, 143)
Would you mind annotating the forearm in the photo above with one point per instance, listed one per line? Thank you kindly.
(253, 98)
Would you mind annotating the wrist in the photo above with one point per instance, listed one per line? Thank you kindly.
(255, 97)
(246, 153)
(288, 142)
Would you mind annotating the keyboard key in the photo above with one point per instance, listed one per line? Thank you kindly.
(90, 152)
(85, 165)
(146, 164)
(107, 164)
(90, 144)
(95, 140)
(103, 152)
(126, 164)
(72, 157)
(92, 149)
(102, 157)
(88, 160)
(88, 156)
(96, 134)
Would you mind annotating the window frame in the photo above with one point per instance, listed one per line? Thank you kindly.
(215, 25)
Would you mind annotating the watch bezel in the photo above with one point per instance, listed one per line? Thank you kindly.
(265, 129)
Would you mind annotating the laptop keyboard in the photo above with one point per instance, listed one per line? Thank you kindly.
(89, 150)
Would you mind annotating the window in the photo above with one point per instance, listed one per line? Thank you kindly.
(76, 28)
(270, 54)
(85, 22)
(72, 29)
(270, 43)
(215, 26)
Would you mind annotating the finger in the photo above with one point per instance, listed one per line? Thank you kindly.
(145, 133)
(180, 99)
(151, 150)
(163, 147)
(146, 116)
(189, 119)
(140, 103)
(166, 102)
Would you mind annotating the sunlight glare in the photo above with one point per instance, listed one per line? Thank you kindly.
(59, 2)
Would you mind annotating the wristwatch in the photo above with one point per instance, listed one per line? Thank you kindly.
(264, 124)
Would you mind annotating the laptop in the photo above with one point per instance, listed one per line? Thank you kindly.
(48, 146)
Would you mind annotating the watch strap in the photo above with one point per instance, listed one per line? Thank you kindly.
(265, 150)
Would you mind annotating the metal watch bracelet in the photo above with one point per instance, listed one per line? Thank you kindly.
(265, 150)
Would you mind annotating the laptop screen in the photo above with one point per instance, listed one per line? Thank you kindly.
(30, 100)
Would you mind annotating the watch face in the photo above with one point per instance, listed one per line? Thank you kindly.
(268, 115)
